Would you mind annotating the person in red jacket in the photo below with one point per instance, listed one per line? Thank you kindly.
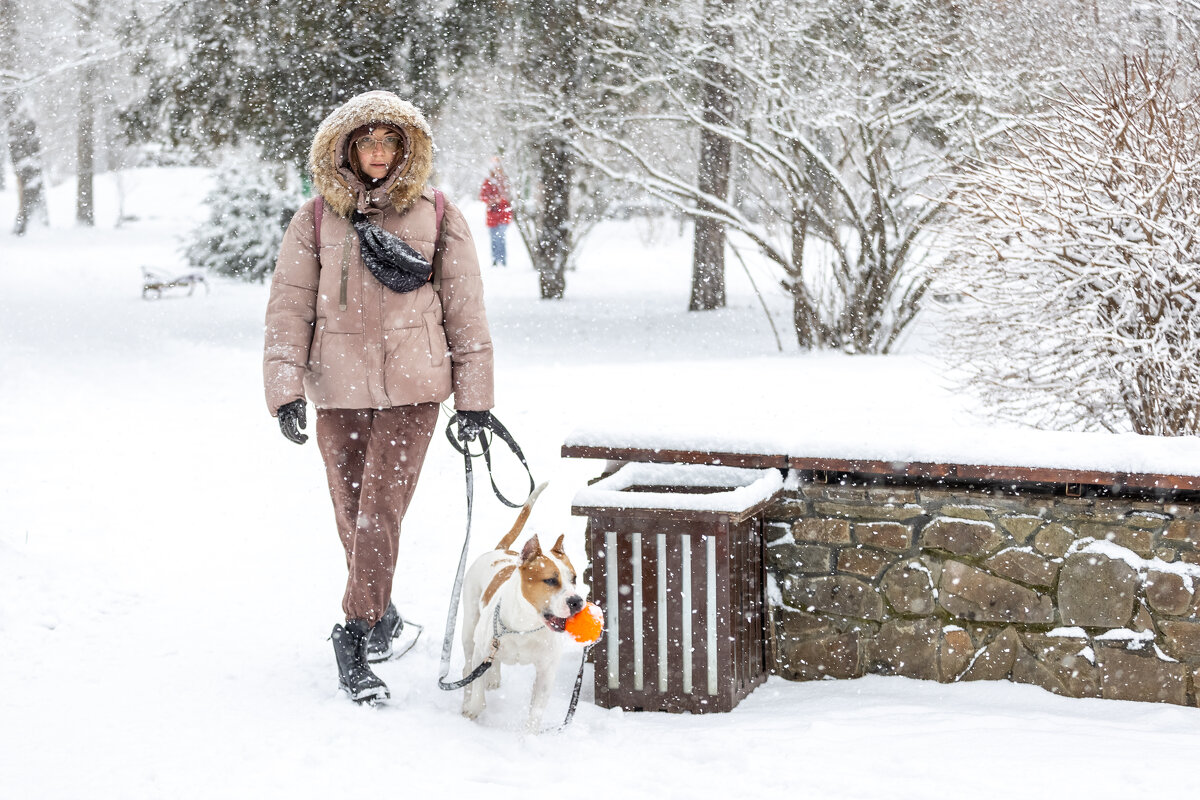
(494, 193)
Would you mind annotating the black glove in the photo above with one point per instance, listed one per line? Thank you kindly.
(471, 423)
(292, 420)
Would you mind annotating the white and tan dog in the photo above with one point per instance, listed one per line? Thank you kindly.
(522, 600)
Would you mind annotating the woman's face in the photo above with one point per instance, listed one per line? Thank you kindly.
(377, 150)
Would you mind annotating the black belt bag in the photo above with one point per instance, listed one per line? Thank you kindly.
(392, 261)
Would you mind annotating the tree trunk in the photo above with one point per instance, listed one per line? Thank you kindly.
(85, 134)
(554, 234)
(805, 319)
(24, 147)
(708, 246)
(715, 161)
(85, 153)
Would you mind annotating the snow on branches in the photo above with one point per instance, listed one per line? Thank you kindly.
(1080, 261)
(842, 116)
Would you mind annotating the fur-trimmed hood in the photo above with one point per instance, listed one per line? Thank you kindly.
(328, 158)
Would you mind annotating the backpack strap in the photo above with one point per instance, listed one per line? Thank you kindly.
(318, 212)
(439, 213)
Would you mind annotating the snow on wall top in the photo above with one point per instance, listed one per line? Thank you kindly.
(763, 434)
(746, 487)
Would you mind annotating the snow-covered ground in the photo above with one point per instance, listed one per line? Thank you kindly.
(169, 570)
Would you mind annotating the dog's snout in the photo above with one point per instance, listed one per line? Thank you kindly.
(575, 604)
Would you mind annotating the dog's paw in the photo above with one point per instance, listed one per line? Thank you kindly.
(472, 710)
(491, 681)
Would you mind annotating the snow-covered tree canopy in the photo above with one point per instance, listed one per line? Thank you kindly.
(841, 117)
(268, 73)
(1079, 253)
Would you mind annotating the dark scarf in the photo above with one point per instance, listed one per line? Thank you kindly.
(391, 260)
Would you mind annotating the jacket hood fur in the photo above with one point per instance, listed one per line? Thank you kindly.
(328, 158)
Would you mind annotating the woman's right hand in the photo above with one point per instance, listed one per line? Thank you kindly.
(292, 420)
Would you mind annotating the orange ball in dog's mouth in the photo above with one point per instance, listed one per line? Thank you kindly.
(586, 625)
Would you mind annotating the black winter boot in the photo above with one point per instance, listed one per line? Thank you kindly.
(354, 674)
(379, 642)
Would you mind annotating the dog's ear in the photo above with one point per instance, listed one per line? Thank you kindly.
(531, 550)
(558, 549)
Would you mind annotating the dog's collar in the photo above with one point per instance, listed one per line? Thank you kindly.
(500, 629)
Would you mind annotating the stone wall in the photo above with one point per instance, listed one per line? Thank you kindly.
(1085, 597)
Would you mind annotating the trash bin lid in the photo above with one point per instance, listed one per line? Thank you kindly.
(700, 489)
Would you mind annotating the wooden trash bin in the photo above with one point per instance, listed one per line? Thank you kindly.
(677, 565)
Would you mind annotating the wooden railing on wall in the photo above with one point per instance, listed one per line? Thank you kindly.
(888, 469)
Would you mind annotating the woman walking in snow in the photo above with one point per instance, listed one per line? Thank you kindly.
(356, 325)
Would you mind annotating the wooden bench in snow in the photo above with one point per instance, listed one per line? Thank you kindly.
(1053, 460)
(155, 283)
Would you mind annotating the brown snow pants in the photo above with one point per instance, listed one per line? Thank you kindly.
(373, 458)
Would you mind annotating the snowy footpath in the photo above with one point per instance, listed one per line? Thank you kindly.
(169, 570)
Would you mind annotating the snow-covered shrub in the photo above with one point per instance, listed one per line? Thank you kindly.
(1079, 259)
(248, 213)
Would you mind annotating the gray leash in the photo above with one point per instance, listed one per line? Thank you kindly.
(456, 593)
(575, 692)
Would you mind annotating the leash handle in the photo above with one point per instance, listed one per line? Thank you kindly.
(495, 426)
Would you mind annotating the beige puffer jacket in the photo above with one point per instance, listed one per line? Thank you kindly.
(384, 348)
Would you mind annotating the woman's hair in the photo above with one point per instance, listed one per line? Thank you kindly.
(352, 151)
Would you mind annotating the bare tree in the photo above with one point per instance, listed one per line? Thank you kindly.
(846, 115)
(527, 69)
(24, 143)
(67, 69)
(551, 83)
(1078, 254)
(841, 126)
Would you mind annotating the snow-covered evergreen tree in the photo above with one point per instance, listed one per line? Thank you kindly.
(248, 213)
(268, 73)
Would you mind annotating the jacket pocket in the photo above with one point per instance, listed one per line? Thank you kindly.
(437, 339)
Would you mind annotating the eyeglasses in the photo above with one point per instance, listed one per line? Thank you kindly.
(366, 144)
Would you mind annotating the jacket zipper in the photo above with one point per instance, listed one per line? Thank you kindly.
(345, 268)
